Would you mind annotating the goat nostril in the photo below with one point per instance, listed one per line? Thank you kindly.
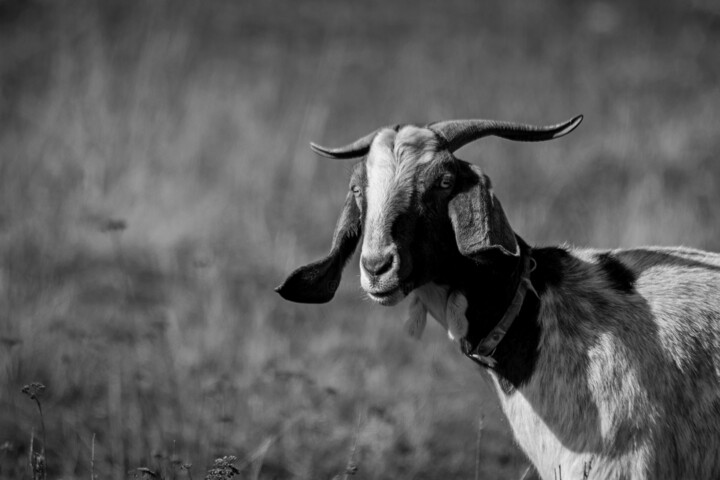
(377, 265)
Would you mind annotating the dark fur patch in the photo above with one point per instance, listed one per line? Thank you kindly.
(551, 262)
(518, 352)
(621, 278)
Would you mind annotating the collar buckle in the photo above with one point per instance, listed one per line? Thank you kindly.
(486, 361)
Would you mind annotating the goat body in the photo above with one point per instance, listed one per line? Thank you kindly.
(609, 367)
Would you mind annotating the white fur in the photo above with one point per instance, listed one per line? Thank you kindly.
(447, 308)
(457, 324)
(417, 317)
(380, 174)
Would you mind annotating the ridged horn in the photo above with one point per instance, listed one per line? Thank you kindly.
(356, 149)
(458, 133)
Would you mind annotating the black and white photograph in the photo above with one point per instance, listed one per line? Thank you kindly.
(367, 240)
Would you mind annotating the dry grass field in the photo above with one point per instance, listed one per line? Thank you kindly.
(155, 185)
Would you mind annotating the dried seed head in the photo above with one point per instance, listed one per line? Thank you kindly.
(223, 469)
(33, 390)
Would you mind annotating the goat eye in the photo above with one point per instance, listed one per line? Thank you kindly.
(445, 182)
(356, 190)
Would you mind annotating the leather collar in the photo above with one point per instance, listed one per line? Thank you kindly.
(483, 352)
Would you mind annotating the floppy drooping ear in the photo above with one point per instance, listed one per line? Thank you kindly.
(317, 282)
(478, 219)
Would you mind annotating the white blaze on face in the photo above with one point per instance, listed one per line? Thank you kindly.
(391, 165)
(380, 175)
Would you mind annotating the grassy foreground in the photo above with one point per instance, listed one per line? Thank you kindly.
(155, 185)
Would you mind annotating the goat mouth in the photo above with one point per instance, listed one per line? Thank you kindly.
(391, 296)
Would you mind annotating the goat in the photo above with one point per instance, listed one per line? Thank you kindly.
(606, 362)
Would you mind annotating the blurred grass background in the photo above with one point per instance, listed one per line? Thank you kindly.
(155, 185)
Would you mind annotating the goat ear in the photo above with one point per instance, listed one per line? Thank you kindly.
(478, 218)
(318, 281)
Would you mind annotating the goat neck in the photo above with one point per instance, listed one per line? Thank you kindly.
(490, 295)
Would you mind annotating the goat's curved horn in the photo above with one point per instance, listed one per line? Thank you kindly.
(356, 149)
(461, 132)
